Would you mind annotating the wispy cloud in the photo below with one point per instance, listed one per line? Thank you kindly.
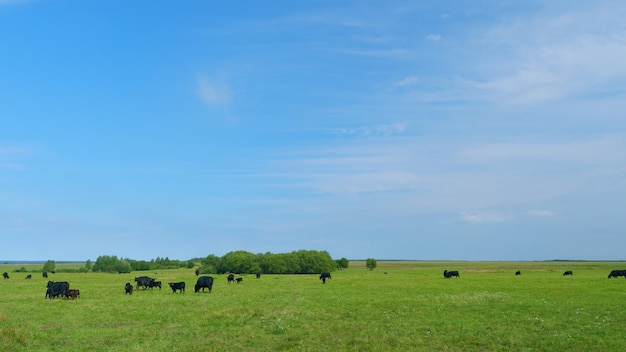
(380, 130)
(486, 216)
(213, 93)
(433, 37)
(406, 82)
(541, 213)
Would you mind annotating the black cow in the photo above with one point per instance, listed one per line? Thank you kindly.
(448, 274)
(56, 289)
(128, 288)
(5, 275)
(239, 280)
(568, 273)
(324, 276)
(204, 282)
(617, 273)
(197, 272)
(180, 286)
(153, 283)
(258, 275)
(518, 273)
(28, 277)
(144, 281)
(45, 275)
(230, 278)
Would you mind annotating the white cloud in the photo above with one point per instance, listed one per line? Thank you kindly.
(406, 82)
(433, 37)
(541, 213)
(380, 130)
(213, 93)
(485, 216)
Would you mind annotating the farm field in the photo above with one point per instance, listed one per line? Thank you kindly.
(399, 306)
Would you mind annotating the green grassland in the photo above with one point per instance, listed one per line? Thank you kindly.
(399, 306)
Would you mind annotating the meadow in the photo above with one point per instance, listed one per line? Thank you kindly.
(399, 306)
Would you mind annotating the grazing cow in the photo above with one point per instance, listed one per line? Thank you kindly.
(5, 275)
(324, 276)
(153, 283)
(518, 273)
(448, 274)
(258, 275)
(73, 294)
(56, 289)
(204, 282)
(29, 276)
(568, 273)
(180, 286)
(239, 280)
(617, 273)
(144, 281)
(45, 275)
(128, 288)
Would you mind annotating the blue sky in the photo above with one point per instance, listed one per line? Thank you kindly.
(430, 130)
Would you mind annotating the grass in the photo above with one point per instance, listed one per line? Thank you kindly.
(399, 306)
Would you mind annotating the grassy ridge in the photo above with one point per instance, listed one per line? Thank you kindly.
(412, 307)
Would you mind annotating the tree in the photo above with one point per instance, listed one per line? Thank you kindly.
(49, 266)
(342, 263)
(370, 263)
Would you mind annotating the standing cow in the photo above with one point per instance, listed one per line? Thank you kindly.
(128, 288)
(448, 274)
(177, 286)
(324, 276)
(568, 273)
(204, 282)
(230, 278)
(5, 275)
(617, 273)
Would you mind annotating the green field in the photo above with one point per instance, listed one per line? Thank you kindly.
(399, 306)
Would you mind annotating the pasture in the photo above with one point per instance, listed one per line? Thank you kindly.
(399, 306)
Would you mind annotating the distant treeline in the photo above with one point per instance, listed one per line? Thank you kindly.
(242, 262)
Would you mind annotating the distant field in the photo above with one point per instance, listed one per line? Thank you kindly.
(399, 306)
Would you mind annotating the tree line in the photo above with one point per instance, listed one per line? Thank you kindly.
(241, 262)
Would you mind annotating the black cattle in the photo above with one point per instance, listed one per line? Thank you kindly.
(73, 294)
(204, 282)
(56, 289)
(517, 273)
(28, 277)
(180, 286)
(144, 281)
(324, 276)
(153, 283)
(617, 273)
(230, 278)
(197, 272)
(5, 275)
(568, 273)
(45, 275)
(448, 274)
(128, 288)
(258, 275)
(239, 280)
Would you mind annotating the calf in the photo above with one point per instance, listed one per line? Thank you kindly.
(73, 294)
(568, 273)
(180, 286)
(239, 280)
(128, 288)
(28, 277)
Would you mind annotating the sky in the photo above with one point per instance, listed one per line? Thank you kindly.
(416, 130)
